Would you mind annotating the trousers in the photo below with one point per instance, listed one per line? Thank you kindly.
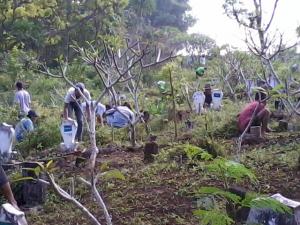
(75, 106)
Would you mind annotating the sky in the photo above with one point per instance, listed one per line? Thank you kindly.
(212, 21)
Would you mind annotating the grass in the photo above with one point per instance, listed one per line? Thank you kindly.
(163, 193)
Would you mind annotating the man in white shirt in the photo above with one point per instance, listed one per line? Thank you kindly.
(73, 103)
(22, 98)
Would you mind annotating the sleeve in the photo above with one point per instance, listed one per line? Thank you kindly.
(87, 94)
(16, 98)
(68, 97)
(3, 177)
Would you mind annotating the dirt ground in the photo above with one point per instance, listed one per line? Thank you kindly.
(151, 195)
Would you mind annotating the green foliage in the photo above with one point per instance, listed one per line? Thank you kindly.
(213, 217)
(229, 171)
(113, 174)
(194, 152)
(253, 200)
(219, 192)
(46, 135)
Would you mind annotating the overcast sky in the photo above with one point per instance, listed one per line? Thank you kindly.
(213, 22)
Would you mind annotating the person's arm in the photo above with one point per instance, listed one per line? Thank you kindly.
(7, 192)
(29, 99)
(16, 99)
(6, 189)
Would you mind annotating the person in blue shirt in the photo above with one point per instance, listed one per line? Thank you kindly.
(26, 125)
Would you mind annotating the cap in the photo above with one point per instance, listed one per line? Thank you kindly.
(32, 113)
(80, 86)
(207, 86)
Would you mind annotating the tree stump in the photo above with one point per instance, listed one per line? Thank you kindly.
(151, 149)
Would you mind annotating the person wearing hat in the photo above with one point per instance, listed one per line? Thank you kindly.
(72, 101)
(208, 96)
(261, 117)
(26, 125)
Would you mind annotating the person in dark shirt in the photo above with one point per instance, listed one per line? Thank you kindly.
(6, 189)
(208, 96)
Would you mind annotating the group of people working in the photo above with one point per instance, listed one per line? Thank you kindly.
(75, 102)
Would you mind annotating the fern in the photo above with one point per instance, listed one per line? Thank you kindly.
(213, 217)
(253, 200)
(219, 192)
(194, 152)
(229, 169)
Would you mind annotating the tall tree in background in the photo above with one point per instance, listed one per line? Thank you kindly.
(163, 22)
(260, 40)
(48, 27)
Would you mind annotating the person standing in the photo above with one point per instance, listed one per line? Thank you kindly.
(73, 103)
(22, 98)
(208, 96)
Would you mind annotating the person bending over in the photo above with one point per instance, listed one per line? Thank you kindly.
(73, 103)
(26, 125)
(261, 117)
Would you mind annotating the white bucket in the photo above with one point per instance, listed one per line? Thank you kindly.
(217, 96)
(7, 134)
(68, 130)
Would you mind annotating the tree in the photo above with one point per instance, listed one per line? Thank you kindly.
(259, 39)
(112, 67)
(198, 45)
(172, 13)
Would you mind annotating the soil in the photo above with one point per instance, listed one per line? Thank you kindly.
(152, 195)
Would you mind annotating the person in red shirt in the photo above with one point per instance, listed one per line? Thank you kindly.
(262, 114)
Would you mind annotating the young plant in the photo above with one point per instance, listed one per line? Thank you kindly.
(229, 173)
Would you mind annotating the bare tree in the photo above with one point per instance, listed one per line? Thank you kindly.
(262, 42)
(113, 68)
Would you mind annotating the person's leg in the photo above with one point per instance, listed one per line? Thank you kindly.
(78, 115)
(263, 117)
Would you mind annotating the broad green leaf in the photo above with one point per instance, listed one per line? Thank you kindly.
(22, 179)
(49, 164)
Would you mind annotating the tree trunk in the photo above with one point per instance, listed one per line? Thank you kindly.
(174, 104)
